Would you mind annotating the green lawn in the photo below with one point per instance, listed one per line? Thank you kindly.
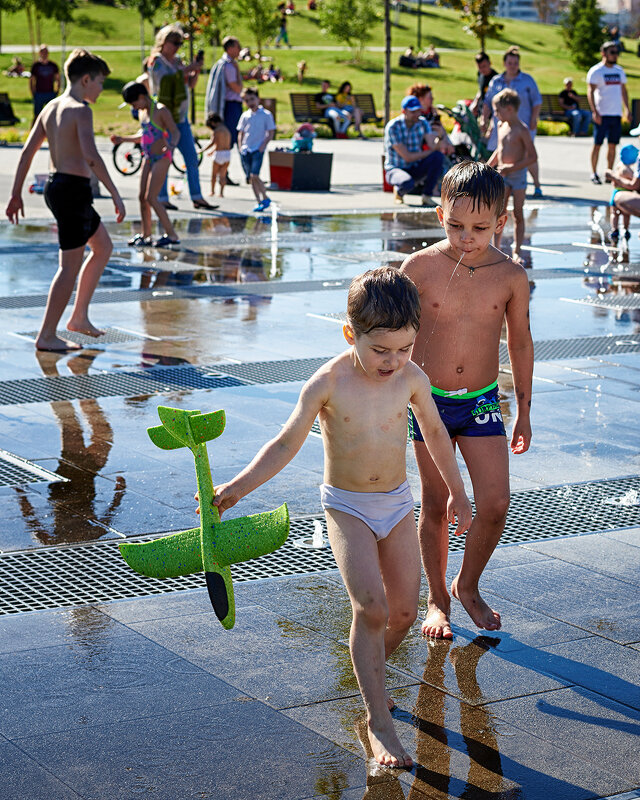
(544, 54)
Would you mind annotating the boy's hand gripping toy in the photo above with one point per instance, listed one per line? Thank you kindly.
(214, 545)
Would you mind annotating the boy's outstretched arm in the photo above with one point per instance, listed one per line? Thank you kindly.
(441, 451)
(277, 453)
(94, 159)
(31, 147)
(520, 347)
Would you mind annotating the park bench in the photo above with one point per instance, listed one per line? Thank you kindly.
(7, 117)
(552, 110)
(304, 108)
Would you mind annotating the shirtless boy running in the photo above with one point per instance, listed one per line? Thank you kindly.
(67, 124)
(514, 153)
(361, 398)
(467, 289)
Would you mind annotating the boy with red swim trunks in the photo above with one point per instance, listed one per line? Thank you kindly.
(467, 289)
(67, 124)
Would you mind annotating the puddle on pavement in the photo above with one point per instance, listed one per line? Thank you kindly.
(101, 444)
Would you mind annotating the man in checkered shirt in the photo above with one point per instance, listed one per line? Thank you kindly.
(406, 163)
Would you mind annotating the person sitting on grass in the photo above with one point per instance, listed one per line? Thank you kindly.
(361, 399)
(158, 136)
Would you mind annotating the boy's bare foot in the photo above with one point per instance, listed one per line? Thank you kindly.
(85, 327)
(517, 258)
(386, 747)
(482, 615)
(56, 344)
(436, 623)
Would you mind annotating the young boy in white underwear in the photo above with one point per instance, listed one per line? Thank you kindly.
(511, 158)
(467, 289)
(67, 124)
(220, 145)
(361, 399)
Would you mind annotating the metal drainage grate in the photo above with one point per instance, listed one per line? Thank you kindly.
(16, 471)
(120, 384)
(627, 301)
(73, 575)
(550, 349)
(299, 369)
(110, 336)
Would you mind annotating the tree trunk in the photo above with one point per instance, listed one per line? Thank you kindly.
(387, 62)
(27, 8)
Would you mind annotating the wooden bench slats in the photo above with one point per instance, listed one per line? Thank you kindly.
(304, 108)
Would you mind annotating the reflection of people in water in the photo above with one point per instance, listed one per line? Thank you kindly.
(79, 462)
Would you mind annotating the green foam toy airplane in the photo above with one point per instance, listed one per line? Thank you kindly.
(214, 545)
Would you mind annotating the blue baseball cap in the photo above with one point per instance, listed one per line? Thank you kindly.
(629, 154)
(411, 103)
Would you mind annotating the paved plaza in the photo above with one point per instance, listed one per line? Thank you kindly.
(116, 686)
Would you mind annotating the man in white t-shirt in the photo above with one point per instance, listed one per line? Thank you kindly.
(609, 103)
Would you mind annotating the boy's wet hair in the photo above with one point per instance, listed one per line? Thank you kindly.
(213, 120)
(382, 298)
(81, 62)
(481, 183)
(131, 91)
(507, 97)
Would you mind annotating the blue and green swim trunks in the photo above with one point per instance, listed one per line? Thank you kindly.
(465, 414)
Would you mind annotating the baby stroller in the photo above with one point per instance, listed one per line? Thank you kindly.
(466, 136)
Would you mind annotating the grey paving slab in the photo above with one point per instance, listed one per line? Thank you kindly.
(631, 536)
(470, 671)
(613, 558)
(282, 662)
(466, 751)
(23, 777)
(108, 674)
(592, 727)
(241, 751)
(159, 606)
(573, 594)
(36, 629)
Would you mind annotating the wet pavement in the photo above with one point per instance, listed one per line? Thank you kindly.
(148, 695)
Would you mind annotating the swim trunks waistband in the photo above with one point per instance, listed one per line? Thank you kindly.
(68, 176)
(461, 394)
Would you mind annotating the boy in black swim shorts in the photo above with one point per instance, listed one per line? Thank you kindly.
(67, 124)
(468, 289)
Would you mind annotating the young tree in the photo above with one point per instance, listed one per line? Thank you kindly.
(547, 9)
(477, 16)
(260, 17)
(147, 10)
(349, 21)
(582, 30)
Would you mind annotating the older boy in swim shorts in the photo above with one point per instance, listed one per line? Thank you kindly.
(467, 289)
(361, 398)
(514, 153)
(67, 124)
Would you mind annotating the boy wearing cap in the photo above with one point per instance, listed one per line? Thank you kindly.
(406, 163)
(624, 169)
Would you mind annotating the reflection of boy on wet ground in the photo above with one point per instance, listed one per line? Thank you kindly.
(67, 124)
(514, 153)
(361, 399)
(467, 288)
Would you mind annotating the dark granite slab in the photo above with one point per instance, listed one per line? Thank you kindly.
(267, 656)
(614, 558)
(22, 777)
(573, 594)
(108, 674)
(467, 751)
(242, 750)
(594, 728)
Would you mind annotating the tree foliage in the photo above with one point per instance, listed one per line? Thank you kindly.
(582, 30)
(260, 17)
(477, 17)
(349, 21)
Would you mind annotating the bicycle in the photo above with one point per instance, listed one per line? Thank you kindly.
(127, 157)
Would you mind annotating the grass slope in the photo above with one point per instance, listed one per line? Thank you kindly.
(544, 54)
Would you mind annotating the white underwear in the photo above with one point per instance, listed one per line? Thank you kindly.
(381, 511)
(222, 156)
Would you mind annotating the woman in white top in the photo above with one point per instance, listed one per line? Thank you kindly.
(171, 80)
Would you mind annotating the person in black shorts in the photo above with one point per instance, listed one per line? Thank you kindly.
(67, 124)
